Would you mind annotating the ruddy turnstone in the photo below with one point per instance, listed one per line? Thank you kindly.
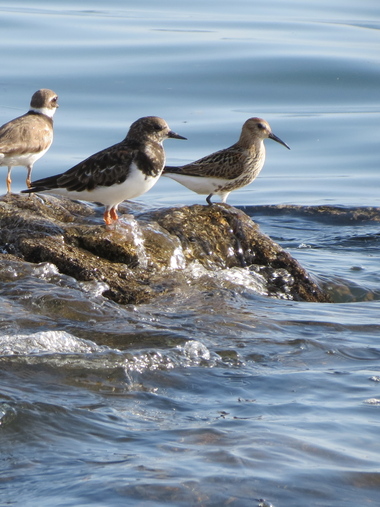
(123, 171)
(27, 138)
(226, 170)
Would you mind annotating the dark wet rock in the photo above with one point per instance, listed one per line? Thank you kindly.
(147, 255)
(224, 237)
(331, 214)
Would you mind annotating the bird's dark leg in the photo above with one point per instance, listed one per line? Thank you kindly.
(208, 199)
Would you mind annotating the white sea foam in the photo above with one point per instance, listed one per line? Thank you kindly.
(177, 260)
(372, 401)
(133, 232)
(195, 350)
(94, 287)
(45, 342)
(45, 270)
(236, 276)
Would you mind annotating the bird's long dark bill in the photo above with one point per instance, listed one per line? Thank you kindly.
(275, 138)
(174, 135)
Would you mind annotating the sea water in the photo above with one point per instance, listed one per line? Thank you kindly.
(210, 398)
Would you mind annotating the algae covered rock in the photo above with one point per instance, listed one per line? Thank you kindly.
(144, 255)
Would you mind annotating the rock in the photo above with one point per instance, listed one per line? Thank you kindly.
(141, 257)
(221, 236)
(330, 214)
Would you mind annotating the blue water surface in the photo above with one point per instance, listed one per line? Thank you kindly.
(209, 398)
(311, 71)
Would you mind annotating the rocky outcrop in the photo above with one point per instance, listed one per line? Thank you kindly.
(137, 257)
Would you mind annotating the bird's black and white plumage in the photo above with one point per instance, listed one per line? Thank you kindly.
(27, 138)
(226, 170)
(123, 171)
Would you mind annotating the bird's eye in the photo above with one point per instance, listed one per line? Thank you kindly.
(261, 126)
(54, 99)
(157, 127)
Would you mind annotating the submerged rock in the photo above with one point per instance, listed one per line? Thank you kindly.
(154, 252)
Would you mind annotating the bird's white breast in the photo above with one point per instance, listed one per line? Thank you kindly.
(24, 159)
(198, 184)
(135, 185)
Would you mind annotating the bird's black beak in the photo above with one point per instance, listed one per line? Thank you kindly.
(275, 138)
(174, 135)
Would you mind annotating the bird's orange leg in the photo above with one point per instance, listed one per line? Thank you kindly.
(110, 216)
(8, 180)
(28, 176)
(107, 217)
(114, 214)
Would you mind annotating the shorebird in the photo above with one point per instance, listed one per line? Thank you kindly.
(226, 170)
(123, 171)
(27, 138)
